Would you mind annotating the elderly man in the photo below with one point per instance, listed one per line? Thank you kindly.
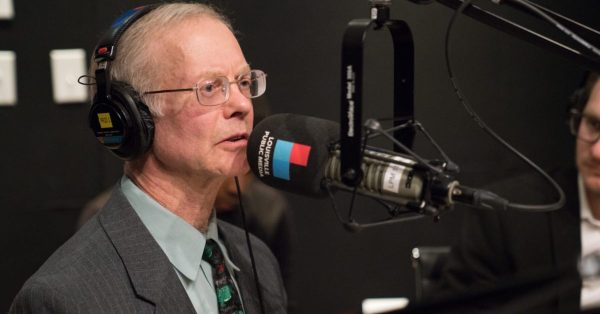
(174, 100)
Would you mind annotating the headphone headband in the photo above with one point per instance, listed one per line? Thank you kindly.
(107, 46)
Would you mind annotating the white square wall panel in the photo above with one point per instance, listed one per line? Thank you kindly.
(7, 11)
(8, 78)
(67, 66)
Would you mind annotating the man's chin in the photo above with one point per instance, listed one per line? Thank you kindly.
(238, 169)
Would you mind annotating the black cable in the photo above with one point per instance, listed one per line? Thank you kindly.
(243, 213)
(535, 9)
(566, 19)
(532, 208)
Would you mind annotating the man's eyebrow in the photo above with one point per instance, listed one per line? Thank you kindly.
(209, 74)
(243, 69)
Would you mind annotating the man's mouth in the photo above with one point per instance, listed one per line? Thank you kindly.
(237, 137)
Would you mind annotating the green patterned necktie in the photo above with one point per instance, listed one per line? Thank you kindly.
(228, 299)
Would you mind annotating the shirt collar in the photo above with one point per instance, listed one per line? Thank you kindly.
(181, 242)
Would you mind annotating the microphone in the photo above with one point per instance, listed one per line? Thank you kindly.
(301, 155)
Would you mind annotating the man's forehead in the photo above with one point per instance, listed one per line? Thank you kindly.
(212, 72)
(201, 52)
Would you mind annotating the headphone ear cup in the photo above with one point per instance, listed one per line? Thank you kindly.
(147, 123)
(121, 122)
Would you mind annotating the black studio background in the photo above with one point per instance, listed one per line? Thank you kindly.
(50, 164)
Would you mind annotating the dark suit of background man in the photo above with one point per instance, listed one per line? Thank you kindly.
(143, 251)
(502, 247)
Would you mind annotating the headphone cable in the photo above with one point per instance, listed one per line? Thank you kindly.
(243, 213)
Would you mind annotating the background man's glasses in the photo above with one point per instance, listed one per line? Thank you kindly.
(584, 127)
(216, 91)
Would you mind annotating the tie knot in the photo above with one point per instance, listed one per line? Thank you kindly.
(212, 253)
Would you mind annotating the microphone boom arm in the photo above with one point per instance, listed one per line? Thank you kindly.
(574, 53)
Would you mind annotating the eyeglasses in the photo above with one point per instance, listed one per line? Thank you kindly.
(215, 91)
(584, 127)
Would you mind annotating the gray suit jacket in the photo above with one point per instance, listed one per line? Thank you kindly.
(113, 265)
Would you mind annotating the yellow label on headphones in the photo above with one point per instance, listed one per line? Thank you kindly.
(104, 120)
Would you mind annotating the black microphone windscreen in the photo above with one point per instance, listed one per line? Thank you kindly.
(290, 152)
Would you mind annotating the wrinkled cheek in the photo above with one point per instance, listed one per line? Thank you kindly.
(227, 164)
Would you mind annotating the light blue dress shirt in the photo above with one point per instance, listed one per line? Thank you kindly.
(183, 244)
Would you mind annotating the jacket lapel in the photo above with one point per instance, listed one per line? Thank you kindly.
(150, 271)
(565, 224)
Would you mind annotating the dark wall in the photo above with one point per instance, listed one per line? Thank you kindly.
(50, 164)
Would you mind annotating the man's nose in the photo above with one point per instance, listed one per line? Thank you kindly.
(237, 103)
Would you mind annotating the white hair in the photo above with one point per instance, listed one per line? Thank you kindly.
(139, 66)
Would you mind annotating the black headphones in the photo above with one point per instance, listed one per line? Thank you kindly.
(118, 117)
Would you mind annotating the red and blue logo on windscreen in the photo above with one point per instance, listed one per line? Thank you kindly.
(286, 154)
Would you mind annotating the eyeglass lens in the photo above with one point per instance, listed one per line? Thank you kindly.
(216, 92)
(586, 128)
